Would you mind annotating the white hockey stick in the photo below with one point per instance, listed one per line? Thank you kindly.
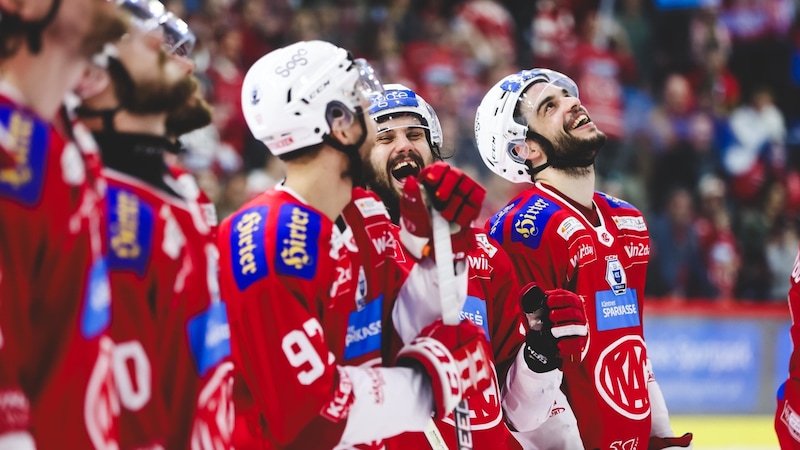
(451, 309)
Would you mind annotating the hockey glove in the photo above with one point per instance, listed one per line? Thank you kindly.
(455, 358)
(557, 327)
(670, 443)
(453, 193)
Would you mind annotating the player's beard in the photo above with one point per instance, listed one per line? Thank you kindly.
(193, 115)
(159, 95)
(381, 181)
(574, 156)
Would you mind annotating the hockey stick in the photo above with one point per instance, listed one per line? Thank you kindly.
(443, 248)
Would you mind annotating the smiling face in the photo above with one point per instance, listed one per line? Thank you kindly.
(401, 150)
(564, 123)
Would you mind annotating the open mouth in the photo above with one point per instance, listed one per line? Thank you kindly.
(579, 121)
(404, 168)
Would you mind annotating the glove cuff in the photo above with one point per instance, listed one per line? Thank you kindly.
(440, 365)
(417, 246)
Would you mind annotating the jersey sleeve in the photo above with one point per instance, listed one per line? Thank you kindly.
(198, 370)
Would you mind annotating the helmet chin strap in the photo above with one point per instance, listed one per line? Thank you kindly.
(351, 150)
(553, 160)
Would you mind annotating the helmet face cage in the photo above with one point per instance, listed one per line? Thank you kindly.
(288, 94)
(399, 100)
(498, 126)
(178, 38)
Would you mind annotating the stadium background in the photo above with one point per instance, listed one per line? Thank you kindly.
(698, 97)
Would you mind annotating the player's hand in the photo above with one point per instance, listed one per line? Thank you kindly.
(453, 193)
(558, 331)
(455, 358)
(670, 443)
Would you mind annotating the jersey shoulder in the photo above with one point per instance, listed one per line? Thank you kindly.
(528, 219)
(275, 233)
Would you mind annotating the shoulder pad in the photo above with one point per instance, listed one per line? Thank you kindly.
(530, 220)
(297, 241)
(130, 230)
(248, 247)
(24, 140)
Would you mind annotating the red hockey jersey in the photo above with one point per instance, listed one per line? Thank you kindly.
(306, 297)
(787, 415)
(174, 372)
(493, 303)
(553, 243)
(55, 306)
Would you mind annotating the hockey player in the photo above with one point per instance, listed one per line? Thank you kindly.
(305, 303)
(787, 414)
(170, 327)
(56, 385)
(531, 128)
(409, 138)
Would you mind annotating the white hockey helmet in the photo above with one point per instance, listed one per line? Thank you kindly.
(398, 99)
(290, 94)
(498, 131)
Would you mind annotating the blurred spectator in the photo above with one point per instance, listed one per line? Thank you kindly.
(552, 32)
(226, 74)
(600, 65)
(757, 148)
(637, 28)
(676, 267)
(756, 223)
(781, 252)
(717, 241)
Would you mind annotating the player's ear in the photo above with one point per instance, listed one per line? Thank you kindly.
(532, 151)
(341, 120)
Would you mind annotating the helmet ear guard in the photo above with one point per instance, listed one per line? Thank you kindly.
(498, 132)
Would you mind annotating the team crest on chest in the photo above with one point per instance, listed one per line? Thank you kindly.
(615, 275)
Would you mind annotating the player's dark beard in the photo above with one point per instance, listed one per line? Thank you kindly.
(156, 96)
(193, 115)
(381, 182)
(572, 155)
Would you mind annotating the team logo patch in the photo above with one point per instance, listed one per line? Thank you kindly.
(634, 223)
(498, 220)
(96, 315)
(620, 377)
(297, 241)
(130, 231)
(485, 245)
(791, 419)
(209, 337)
(530, 220)
(582, 251)
(615, 275)
(26, 139)
(617, 311)
(364, 330)
(370, 207)
(475, 310)
(248, 257)
(569, 226)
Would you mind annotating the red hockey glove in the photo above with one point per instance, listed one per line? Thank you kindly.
(452, 192)
(670, 443)
(457, 196)
(557, 327)
(455, 357)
